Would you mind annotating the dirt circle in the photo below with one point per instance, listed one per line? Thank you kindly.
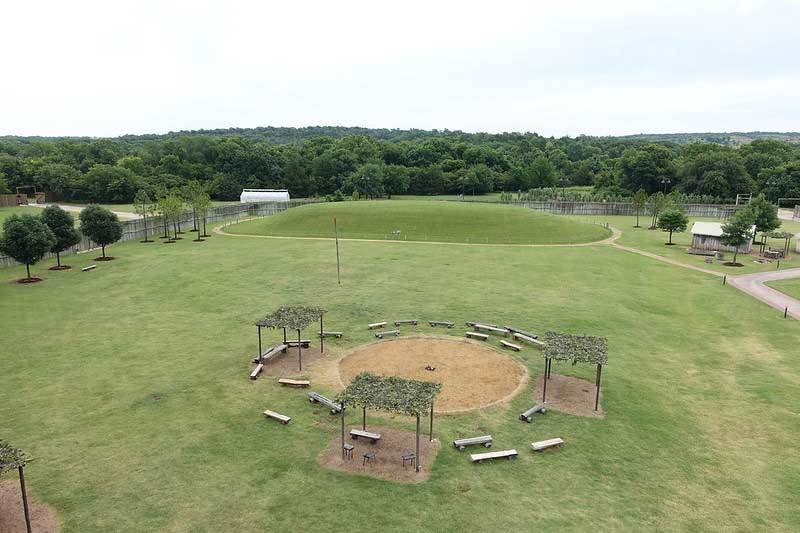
(472, 375)
(62, 267)
(106, 258)
(26, 281)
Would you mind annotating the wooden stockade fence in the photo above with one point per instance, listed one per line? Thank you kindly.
(135, 229)
(558, 207)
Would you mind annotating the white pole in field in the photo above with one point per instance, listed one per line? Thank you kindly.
(336, 230)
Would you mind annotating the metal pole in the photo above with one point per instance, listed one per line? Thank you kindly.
(544, 380)
(430, 434)
(785, 311)
(321, 337)
(299, 351)
(597, 383)
(724, 279)
(417, 454)
(338, 273)
(24, 499)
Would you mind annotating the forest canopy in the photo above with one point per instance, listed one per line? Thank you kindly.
(320, 161)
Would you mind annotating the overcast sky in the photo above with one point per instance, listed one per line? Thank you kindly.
(108, 68)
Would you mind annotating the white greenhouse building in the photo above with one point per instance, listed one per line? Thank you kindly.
(250, 196)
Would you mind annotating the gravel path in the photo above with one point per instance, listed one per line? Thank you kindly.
(753, 284)
(125, 215)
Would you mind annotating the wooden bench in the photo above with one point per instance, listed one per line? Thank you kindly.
(373, 437)
(399, 322)
(493, 329)
(376, 325)
(486, 440)
(479, 336)
(316, 397)
(88, 268)
(510, 345)
(435, 323)
(478, 457)
(305, 343)
(270, 353)
(382, 334)
(545, 444)
(337, 334)
(522, 331)
(294, 382)
(472, 324)
(256, 371)
(523, 337)
(527, 416)
(277, 416)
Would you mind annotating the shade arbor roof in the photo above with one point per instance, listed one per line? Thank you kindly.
(576, 348)
(297, 317)
(11, 458)
(390, 393)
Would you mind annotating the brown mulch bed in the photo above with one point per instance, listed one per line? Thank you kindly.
(62, 267)
(570, 395)
(12, 516)
(286, 365)
(24, 281)
(387, 463)
(473, 375)
(106, 258)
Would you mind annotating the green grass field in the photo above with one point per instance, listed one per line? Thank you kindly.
(701, 391)
(787, 286)
(425, 221)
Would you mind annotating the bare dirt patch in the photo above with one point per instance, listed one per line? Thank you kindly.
(286, 365)
(25, 281)
(106, 258)
(570, 395)
(387, 464)
(62, 267)
(12, 516)
(472, 375)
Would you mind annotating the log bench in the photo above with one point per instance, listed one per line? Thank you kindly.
(522, 331)
(479, 336)
(527, 416)
(314, 397)
(382, 334)
(486, 440)
(305, 343)
(270, 353)
(435, 323)
(376, 325)
(88, 268)
(337, 334)
(472, 324)
(492, 329)
(294, 382)
(523, 337)
(277, 416)
(545, 444)
(256, 371)
(373, 437)
(510, 345)
(478, 457)
(410, 321)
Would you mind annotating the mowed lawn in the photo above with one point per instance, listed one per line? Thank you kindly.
(459, 222)
(787, 286)
(129, 386)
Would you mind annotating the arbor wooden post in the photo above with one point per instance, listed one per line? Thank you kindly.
(417, 454)
(430, 433)
(24, 499)
(259, 343)
(364, 417)
(321, 337)
(544, 380)
(284, 335)
(299, 351)
(597, 384)
(343, 409)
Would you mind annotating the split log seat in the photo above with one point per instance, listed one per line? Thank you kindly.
(510, 345)
(492, 329)
(314, 397)
(522, 331)
(478, 457)
(373, 437)
(88, 268)
(293, 344)
(523, 337)
(479, 336)
(256, 371)
(382, 334)
(527, 416)
(545, 444)
(376, 325)
(486, 440)
(411, 321)
(294, 382)
(435, 323)
(277, 416)
(271, 352)
(337, 334)
(472, 324)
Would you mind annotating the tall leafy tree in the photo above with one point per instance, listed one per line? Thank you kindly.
(101, 226)
(638, 202)
(672, 220)
(657, 202)
(62, 225)
(143, 206)
(764, 214)
(645, 167)
(26, 239)
(737, 231)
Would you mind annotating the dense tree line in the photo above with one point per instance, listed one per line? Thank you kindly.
(325, 161)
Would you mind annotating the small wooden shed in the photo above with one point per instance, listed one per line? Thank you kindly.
(706, 236)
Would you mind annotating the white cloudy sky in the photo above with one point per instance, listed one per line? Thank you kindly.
(556, 67)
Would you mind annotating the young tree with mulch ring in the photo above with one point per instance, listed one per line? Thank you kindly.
(202, 203)
(13, 458)
(101, 226)
(638, 203)
(172, 208)
(26, 239)
(143, 206)
(764, 215)
(656, 202)
(737, 232)
(672, 220)
(62, 225)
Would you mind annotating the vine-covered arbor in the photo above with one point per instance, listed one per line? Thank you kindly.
(297, 318)
(575, 348)
(394, 394)
(10, 459)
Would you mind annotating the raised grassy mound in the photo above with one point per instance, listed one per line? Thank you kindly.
(471, 375)
(425, 221)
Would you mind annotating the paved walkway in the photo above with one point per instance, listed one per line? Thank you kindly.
(78, 208)
(753, 284)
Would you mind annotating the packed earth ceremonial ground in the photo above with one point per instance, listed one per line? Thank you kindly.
(129, 386)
